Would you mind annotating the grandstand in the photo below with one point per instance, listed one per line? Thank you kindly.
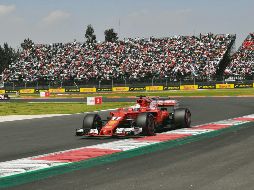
(1, 81)
(202, 57)
(242, 63)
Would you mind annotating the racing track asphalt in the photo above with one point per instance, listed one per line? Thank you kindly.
(223, 162)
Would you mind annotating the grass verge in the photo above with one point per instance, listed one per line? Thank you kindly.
(213, 92)
(55, 108)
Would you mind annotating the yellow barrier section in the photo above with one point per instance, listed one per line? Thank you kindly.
(120, 89)
(56, 90)
(219, 86)
(188, 87)
(26, 91)
(253, 85)
(173, 87)
(87, 89)
(2, 91)
(154, 88)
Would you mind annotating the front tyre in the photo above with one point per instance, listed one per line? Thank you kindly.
(92, 121)
(147, 123)
(182, 118)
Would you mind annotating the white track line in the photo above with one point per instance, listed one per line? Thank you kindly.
(24, 117)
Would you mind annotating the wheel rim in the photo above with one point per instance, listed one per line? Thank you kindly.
(187, 119)
(97, 124)
(150, 125)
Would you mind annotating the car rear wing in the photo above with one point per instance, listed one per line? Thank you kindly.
(162, 103)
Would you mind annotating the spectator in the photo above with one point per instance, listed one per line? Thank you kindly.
(242, 64)
(137, 59)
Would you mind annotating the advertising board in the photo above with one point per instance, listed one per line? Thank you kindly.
(120, 89)
(223, 86)
(87, 89)
(188, 87)
(57, 90)
(154, 88)
(26, 91)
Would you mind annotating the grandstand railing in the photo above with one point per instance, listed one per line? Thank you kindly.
(125, 83)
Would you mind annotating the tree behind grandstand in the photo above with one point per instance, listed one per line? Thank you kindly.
(27, 44)
(7, 56)
(90, 36)
(110, 35)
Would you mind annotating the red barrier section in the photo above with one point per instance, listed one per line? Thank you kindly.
(77, 155)
(163, 137)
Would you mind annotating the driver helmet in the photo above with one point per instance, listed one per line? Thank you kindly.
(153, 105)
(136, 107)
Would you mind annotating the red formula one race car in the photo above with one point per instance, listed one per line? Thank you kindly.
(148, 116)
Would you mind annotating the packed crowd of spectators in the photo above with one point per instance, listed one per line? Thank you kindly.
(242, 64)
(136, 59)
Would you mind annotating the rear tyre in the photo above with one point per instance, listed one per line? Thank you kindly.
(92, 121)
(147, 123)
(182, 118)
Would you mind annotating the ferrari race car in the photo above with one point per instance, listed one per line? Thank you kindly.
(148, 116)
(4, 97)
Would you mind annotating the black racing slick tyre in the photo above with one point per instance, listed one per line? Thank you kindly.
(92, 121)
(182, 118)
(147, 123)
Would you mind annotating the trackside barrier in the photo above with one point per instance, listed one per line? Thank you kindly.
(223, 86)
(27, 91)
(120, 89)
(87, 89)
(104, 89)
(243, 86)
(154, 88)
(188, 87)
(57, 90)
(11, 91)
(206, 86)
(171, 88)
(129, 88)
(72, 90)
(137, 88)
